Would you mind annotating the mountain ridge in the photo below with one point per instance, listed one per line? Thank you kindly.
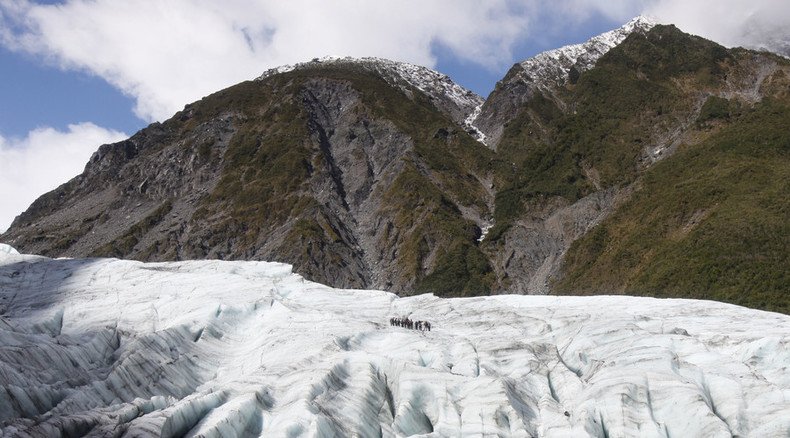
(546, 71)
(365, 173)
(460, 102)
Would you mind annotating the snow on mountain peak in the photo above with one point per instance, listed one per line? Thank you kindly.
(448, 96)
(554, 66)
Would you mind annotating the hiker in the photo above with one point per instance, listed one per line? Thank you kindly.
(405, 322)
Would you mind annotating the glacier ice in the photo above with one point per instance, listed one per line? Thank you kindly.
(106, 347)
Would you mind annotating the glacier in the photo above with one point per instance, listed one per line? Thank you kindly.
(107, 347)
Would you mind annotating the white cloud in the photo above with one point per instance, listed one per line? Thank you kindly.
(580, 10)
(43, 160)
(168, 53)
(753, 23)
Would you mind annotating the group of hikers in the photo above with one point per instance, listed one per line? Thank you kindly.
(405, 322)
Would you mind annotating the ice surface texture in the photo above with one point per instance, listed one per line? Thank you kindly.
(219, 349)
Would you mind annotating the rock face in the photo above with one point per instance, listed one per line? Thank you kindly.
(345, 168)
(452, 99)
(377, 174)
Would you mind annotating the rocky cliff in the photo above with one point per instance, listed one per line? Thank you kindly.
(349, 169)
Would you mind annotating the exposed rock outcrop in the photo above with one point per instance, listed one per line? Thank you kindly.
(307, 165)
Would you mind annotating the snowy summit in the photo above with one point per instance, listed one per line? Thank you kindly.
(463, 105)
(424, 79)
(552, 67)
(217, 349)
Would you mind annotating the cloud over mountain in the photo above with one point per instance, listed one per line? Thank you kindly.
(42, 160)
(754, 24)
(166, 54)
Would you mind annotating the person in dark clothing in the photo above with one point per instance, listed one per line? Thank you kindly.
(405, 322)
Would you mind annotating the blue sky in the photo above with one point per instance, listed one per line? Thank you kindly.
(39, 93)
(80, 73)
(36, 94)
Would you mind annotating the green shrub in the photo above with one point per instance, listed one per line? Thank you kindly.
(715, 108)
(709, 222)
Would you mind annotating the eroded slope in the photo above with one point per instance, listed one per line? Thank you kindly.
(356, 177)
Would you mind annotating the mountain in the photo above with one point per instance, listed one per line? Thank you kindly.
(631, 177)
(645, 161)
(106, 347)
(359, 172)
(546, 73)
(449, 97)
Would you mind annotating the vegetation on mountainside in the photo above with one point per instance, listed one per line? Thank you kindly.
(716, 108)
(433, 224)
(633, 94)
(266, 165)
(709, 222)
(271, 158)
(463, 270)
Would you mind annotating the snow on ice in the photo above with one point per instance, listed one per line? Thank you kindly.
(107, 347)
